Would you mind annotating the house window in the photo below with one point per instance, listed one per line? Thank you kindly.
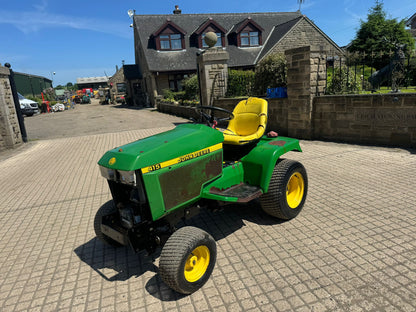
(249, 38)
(175, 82)
(170, 42)
(121, 88)
(219, 40)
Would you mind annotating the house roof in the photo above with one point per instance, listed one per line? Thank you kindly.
(186, 59)
(277, 34)
(208, 22)
(410, 20)
(274, 26)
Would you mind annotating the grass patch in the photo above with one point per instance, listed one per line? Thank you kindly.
(384, 90)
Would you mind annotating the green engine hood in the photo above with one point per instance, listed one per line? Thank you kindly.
(184, 139)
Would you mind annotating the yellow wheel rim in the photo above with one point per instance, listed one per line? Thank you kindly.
(197, 263)
(294, 190)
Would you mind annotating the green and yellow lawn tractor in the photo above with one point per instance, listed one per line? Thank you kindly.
(161, 180)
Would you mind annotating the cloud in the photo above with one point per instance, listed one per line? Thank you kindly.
(41, 6)
(33, 21)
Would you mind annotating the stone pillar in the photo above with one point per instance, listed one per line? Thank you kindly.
(305, 79)
(213, 74)
(10, 134)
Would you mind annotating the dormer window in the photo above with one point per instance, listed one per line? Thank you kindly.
(249, 38)
(247, 33)
(169, 37)
(209, 25)
(170, 42)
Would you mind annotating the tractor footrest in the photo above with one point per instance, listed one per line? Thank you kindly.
(244, 192)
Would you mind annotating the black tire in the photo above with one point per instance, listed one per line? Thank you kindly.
(287, 190)
(106, 209)
(187, 259)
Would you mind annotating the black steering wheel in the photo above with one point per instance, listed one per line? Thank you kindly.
(211, 119)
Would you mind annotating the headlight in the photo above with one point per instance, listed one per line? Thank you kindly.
(107, 173)
(127, 177)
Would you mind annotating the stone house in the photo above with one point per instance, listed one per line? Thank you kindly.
(411, 23)
(166, 45)
(126, 82)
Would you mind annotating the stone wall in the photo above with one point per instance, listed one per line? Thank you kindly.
(10, 135)
(382, 119)
(305, 79)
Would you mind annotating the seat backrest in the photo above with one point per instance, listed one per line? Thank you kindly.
(248, 116)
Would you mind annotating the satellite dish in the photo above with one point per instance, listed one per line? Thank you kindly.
(130, 13)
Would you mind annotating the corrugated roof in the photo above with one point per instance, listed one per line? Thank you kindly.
(92, 80)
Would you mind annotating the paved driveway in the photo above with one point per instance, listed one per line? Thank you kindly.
(352, 248)
(94, 118)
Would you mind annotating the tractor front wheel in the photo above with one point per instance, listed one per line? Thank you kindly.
(106, 209)
(287, 190)
(187, 259)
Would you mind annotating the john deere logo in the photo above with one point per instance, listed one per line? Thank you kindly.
(112, 161)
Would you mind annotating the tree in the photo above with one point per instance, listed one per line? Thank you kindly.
(378, 37)
(271, 72)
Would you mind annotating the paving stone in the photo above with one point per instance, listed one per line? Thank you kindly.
(352, 248)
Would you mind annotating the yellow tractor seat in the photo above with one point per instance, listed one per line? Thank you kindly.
(249, 122)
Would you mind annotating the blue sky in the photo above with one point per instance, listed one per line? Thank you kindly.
(89, 38)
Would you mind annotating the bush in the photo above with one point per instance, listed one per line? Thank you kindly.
(271, 72)
(341, 81)
(179, 96)
(240, 83)
(168, 94)
(191, 87)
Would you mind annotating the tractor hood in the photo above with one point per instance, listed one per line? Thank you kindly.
(183, 140)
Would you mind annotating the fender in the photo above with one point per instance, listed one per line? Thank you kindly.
(260, 162)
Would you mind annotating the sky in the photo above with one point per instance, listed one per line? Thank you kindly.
(66, 40)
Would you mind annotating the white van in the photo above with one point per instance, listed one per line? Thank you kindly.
(28, 107)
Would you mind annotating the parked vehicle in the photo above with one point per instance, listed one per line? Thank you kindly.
(158, 181)
(120, 98)
(28, 107)
(76, 99)
(85, 99)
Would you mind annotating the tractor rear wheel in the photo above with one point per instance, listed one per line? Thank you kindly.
(187, 259)
(287, 190)
(106, 209)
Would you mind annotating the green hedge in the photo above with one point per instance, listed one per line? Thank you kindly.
(240, 83)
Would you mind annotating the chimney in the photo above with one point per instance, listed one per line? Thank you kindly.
(177, 10)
